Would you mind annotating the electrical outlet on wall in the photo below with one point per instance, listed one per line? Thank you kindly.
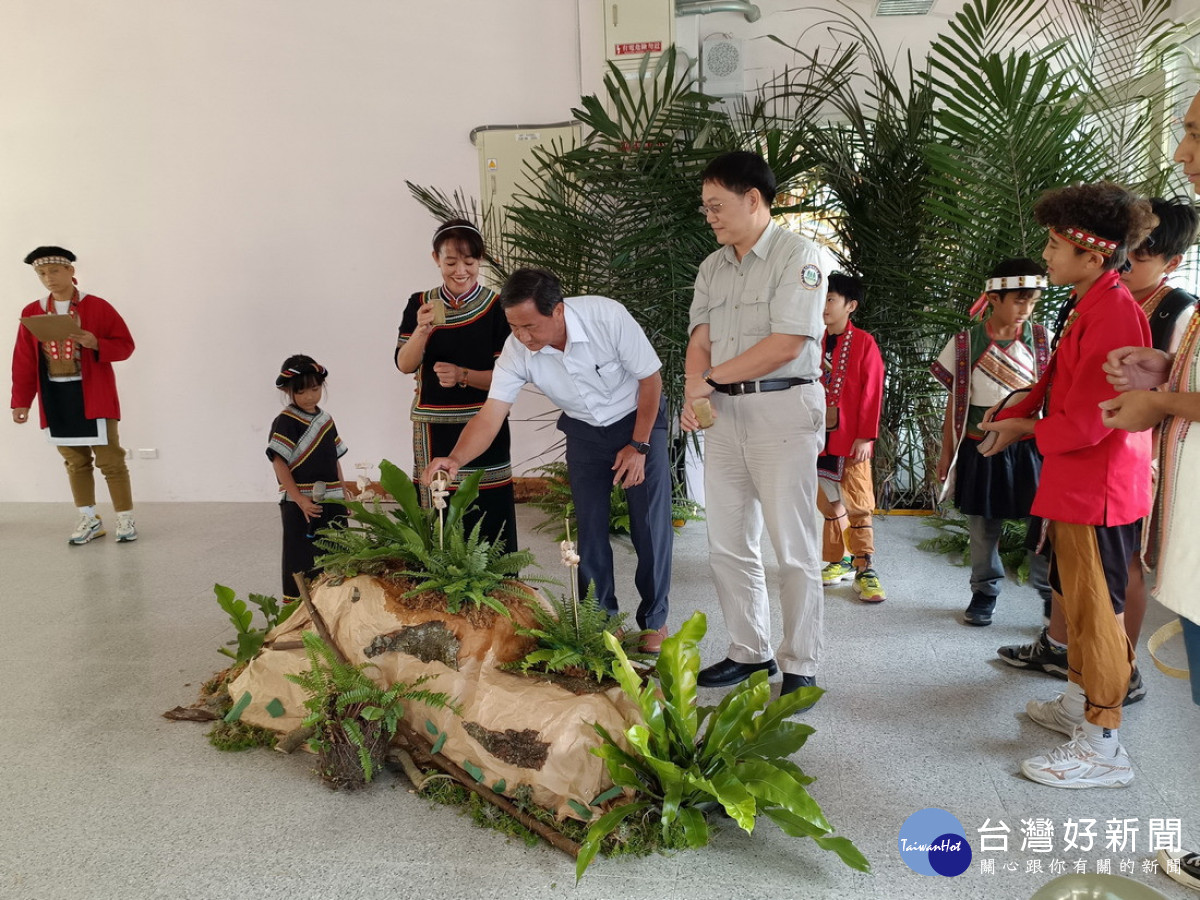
(148, 453)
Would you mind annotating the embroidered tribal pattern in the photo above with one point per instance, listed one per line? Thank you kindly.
(296, 453)
(834, 378)
(1085, 240)
(1174, 431)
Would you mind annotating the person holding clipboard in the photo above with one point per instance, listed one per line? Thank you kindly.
(66, 345)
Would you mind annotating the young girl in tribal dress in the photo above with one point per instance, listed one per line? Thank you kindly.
(450, 337)
(980, 367)
(304, 449)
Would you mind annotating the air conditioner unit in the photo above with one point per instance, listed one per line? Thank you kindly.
(721, 66)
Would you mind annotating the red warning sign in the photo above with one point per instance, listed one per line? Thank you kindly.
(638, 48)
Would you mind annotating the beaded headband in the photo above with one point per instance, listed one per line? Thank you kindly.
(52, 260)
(1015, 283)
(1085, 240)
(309, 368)
(1005, 283)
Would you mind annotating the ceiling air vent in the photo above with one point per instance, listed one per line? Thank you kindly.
(903, 7)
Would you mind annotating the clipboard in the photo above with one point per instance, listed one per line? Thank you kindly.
(51, 328)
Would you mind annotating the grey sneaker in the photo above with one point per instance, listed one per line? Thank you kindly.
(1050, 714)
(1137, 690)
(126, 529)
(88, 529)
(1040, 656)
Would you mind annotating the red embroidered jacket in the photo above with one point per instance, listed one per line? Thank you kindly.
(1091, 474)
(99, 382)
(855, 387)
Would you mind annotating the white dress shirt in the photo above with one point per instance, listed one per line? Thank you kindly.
(595, 377)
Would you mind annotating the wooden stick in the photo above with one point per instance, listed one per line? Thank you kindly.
(548, 834)
(317, 620)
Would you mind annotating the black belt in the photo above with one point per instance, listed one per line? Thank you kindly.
(738, 388)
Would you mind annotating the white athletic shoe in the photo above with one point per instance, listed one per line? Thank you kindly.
(1050, 714)
(88, 529)
(126, 530)
(1076, 765)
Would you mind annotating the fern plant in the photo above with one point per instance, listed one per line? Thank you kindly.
(249, 640)
(349, 713)
(470, 569)
(428, 546)
(571, 638)
(686, 758)
(375, 541)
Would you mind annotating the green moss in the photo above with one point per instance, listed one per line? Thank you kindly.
(240, 736)
(637, 838)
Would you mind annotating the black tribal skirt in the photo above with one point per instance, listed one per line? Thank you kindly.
(1000, 486)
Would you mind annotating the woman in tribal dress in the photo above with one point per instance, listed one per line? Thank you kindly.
(450, 337)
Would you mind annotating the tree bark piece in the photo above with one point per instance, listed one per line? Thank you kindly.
(317, 619)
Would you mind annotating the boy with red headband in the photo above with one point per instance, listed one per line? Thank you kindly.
(76, 389)
(1095, 485)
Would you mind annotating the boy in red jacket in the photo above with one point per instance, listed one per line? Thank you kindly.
(1095, 485)
(77, 390)
(852, 372)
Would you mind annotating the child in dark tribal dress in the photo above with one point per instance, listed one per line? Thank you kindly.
(304, 449)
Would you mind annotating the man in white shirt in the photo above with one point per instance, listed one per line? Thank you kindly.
(589, 356)
(756, 324)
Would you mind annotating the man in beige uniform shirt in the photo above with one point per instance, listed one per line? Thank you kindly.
(756, 323)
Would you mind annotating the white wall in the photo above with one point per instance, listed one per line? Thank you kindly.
(231, 176)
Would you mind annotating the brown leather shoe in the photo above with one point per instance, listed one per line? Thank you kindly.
(652, 642)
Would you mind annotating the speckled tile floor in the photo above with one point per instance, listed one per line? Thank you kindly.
(100, 797)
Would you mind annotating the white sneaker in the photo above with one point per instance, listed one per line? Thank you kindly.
(126, 530)
(88, 529)
(1076, 765)
(1050, 714)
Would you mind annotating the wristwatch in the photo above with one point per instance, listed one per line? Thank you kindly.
(640, 447)
(706, 376)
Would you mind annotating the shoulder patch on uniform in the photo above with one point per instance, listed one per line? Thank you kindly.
(810, 276)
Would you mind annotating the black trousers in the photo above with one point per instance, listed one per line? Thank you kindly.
(591, 452)
(298, 550)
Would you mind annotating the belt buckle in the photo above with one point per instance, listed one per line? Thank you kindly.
(738, 388)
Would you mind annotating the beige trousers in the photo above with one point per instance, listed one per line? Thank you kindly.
(110, 458)
(760, 468)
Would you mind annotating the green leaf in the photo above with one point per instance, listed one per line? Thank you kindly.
(439, 743)
(602, 828)
(583, 812)
(766, 782)
(238, 708)
(473, 770)
(695, 827)
(611, 793)
(677, 670)
(845, 849)
(275, 708)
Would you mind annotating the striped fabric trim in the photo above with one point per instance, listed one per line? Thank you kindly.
(1173, 433)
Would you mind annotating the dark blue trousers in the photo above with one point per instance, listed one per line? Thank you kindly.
(591, 452)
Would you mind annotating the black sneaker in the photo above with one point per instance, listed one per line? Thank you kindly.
(1182, 865)
(1040, 656)
(1137, 690)
(979, 612)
